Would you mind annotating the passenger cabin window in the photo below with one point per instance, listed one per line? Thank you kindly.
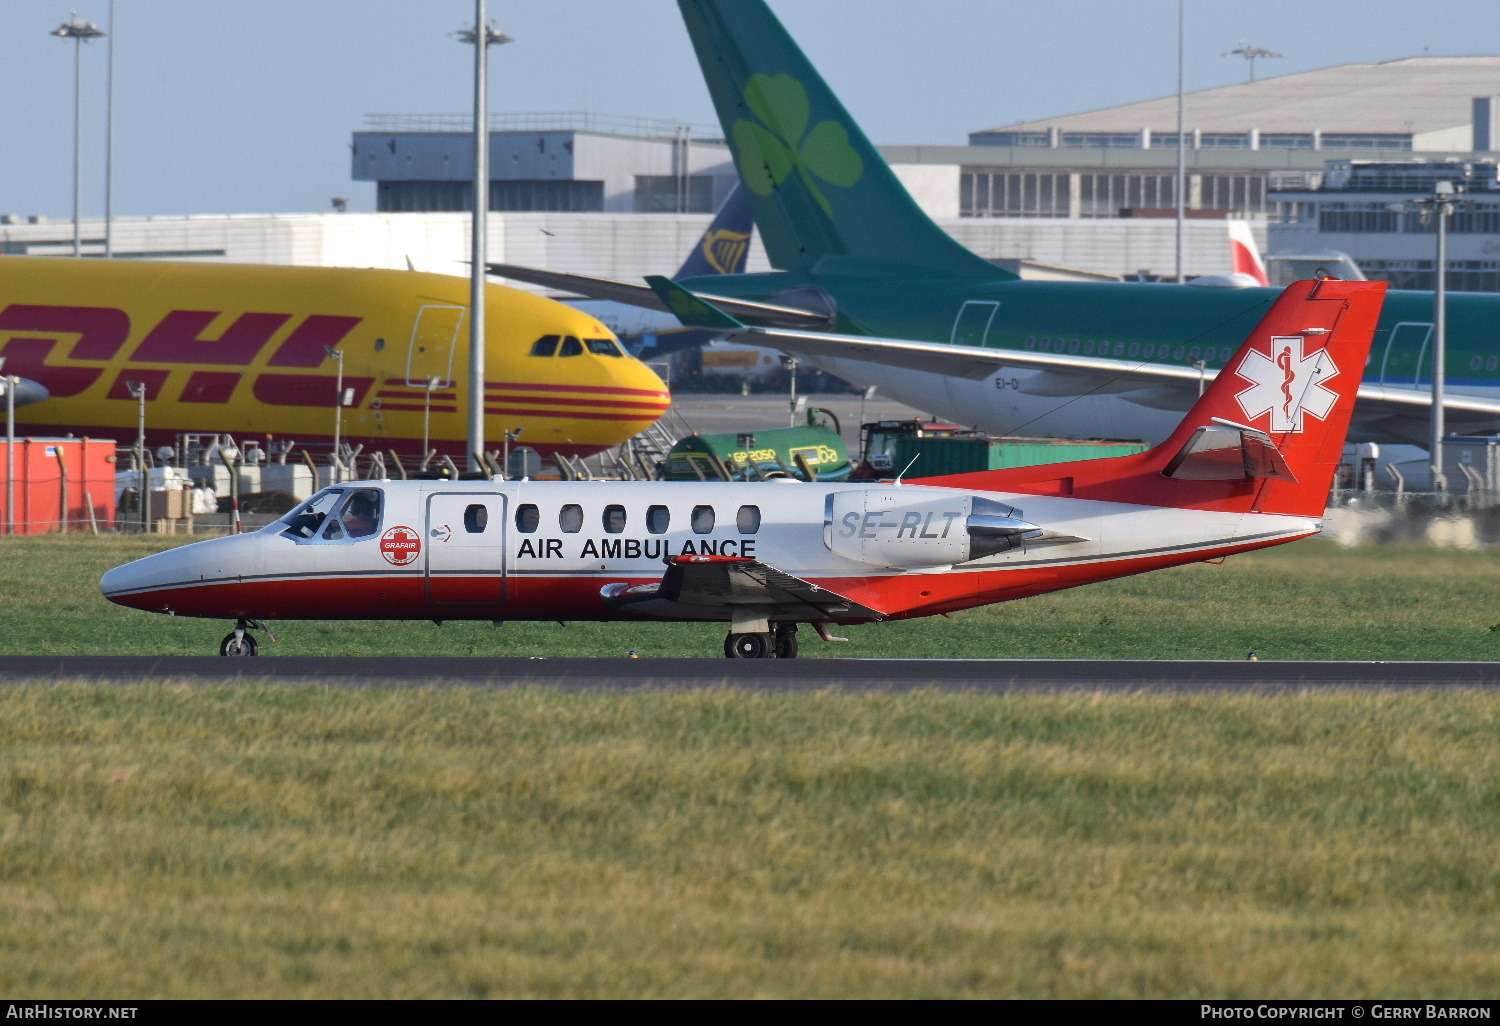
(658, 519)
(570, 519)
(571, 347)
(476, 518)
(703, 520)
(614, 519)
(748, 519)
(603, 346)
(528, 518)
(545, 346)
(357, 516)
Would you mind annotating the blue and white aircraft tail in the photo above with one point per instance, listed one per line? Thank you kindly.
(648, 334)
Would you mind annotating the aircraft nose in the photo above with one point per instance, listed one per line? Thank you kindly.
(28, 392)
(162, 582)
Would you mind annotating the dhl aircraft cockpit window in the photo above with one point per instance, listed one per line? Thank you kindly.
(603, 347)
(546, 345)
(571, 347)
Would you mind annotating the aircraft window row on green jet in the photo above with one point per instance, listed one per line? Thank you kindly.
(1491, 364)
(570, 345)
(1149, 352)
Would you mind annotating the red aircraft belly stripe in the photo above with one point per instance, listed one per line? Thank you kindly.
(418, 407)
(597, 389)
(612, 403)
(529, 411)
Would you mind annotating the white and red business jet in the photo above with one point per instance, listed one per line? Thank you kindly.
(1250, 466)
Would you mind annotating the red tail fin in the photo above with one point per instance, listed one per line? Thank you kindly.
(1265, 436)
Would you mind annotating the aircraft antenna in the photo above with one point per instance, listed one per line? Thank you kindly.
(908, 467)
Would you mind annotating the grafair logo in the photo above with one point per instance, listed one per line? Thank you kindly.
(1287, 384)
(400, 546)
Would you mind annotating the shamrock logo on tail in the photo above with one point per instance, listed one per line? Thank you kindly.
(781, 143)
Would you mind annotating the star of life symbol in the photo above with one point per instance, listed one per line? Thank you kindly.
(1287, 384)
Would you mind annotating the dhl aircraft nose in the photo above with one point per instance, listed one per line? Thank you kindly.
(577, 393)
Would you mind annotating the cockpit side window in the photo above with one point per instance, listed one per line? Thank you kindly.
(304, 521)
(357, 516)
(571, 347)
(546, 345)
(603, 346)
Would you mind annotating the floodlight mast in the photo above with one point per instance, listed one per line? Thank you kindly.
(137, 391)
(10, 384)
(490, 37)
(1445, 199)
(1251, 54)
(80, 32)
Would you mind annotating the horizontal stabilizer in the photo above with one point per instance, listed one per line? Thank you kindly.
(1224, 451)
(692, 310)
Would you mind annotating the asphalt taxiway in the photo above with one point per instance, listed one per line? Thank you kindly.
(852, 675)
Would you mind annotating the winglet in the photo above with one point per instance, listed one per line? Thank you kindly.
(692, 310)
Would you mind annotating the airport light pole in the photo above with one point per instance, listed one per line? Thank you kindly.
(109, 139)
(138, 393)
(80, 32)
(1181, 184)
(338, 410)
(1441, 204)
(1250, 53)
(10, 384)
(430, 384)
(482, 37)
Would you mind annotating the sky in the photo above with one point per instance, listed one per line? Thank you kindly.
(249, 106)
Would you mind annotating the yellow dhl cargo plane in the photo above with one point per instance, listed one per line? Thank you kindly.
(245, 350)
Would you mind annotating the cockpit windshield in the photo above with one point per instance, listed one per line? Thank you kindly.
(334, 514)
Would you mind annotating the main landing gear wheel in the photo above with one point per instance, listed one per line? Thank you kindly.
(784, 641)
(238, 643)
(749, 646)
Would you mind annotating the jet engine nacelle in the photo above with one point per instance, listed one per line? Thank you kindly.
(918, 528)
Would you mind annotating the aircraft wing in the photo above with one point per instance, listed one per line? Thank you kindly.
(644, 296)
(1161, 386)
(701, 585)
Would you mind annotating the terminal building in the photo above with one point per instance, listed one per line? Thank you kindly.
(1088, 194)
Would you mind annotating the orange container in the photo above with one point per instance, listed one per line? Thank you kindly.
(49, 501)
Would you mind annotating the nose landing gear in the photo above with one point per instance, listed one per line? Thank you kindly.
(780, 642)
(240, 642)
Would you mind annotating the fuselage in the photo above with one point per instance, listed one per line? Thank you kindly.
(527, 550)
(245, 350)
(1166, 324)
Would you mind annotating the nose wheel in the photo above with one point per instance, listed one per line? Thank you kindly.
(240, 642)
(778, 643)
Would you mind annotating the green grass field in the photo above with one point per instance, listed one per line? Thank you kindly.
(1309, 600)
(181, 842)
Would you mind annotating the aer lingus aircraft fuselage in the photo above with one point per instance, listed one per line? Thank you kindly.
(869, 288)
(1149, 326)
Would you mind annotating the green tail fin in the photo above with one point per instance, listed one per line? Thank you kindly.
(820, 190)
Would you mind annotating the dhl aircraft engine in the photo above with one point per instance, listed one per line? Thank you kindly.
(920, 528)
(255, 350)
